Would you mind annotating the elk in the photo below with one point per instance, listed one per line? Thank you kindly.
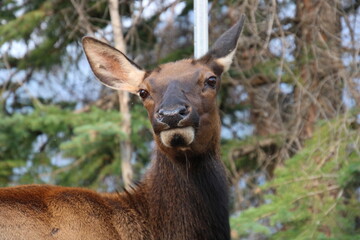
(183, 195)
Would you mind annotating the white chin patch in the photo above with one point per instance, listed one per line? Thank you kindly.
(178, 137)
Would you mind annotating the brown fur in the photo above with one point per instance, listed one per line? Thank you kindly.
(184, 195)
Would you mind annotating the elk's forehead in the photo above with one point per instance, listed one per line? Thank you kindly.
(184, 71)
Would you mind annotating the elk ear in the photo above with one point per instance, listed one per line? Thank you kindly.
(111, 66)
(223, 50)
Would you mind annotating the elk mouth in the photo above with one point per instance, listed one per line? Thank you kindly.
(177, 137)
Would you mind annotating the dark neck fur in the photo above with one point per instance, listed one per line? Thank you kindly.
(188, 198)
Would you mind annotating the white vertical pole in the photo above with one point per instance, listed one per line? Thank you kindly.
(201, 34)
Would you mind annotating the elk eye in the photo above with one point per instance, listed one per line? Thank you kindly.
(143, 93)
(211, 81)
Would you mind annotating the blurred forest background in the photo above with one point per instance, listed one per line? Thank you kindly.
(290, 104)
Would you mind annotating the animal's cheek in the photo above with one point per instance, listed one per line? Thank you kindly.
(208, 104)
(203, 102)
(149, 106)
(205, 119)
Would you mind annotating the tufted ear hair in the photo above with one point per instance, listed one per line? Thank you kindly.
(223, 50)
(111, 66)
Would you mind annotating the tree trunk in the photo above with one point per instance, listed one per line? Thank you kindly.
(318, 94)
(125, 145)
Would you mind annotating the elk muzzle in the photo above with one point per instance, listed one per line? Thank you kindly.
(178, 137)
(178, 124)
(173, 116)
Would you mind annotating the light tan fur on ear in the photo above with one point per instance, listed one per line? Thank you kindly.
(226, 61)
(224, 49)
(111, 66)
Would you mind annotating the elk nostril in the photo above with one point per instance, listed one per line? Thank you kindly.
(173, 111)
(184, 110)
(161, 112)
(173, 116)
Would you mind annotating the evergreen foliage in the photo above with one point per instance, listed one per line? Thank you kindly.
(47, 25)
(315, 194)
(54, 145)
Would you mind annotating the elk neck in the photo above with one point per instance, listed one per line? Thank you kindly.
(188, 197)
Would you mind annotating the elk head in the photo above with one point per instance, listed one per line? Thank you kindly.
(180, 97)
